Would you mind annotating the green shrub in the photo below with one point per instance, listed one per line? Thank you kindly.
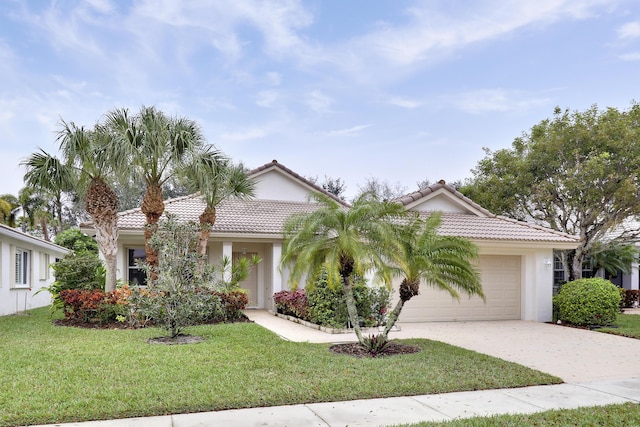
(588, 302)
(327, 306)
(79, 271)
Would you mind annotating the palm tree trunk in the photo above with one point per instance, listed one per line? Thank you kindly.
(408, 289)
(352, 310)
(153, 208)
(207, 220)
(45, 228)
(101, 202)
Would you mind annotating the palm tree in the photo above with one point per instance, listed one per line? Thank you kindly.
(217, 179)
(344, 242)
(419, 253)
(87, 164)
(8, 208)
(48, 180)
(157, 146)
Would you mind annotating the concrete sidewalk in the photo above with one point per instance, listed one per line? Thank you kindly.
(599, 369)
(398, 410)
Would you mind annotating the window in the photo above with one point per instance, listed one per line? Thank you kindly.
(44, 266)
(137, 275)
(22, 268)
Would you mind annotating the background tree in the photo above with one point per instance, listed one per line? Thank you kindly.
(77, 241)
(381, 190)
(577, 173)
(156, 146)
(418, 253)
(46, 181)
(342, 242)
(9, 206)
(335, 186)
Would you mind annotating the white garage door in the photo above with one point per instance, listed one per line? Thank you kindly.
(501, 285)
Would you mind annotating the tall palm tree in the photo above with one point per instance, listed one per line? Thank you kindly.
(344, 242)
(418, 253)
(87, 164)
(217, 179)
(157, 147)
(50, 182)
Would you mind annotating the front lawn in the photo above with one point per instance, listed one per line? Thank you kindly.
(628, 325)
(62, 374)
(626, 414)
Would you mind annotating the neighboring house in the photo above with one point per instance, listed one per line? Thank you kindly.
(516, 258)
(25, 267)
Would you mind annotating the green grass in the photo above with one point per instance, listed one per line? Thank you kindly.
(627, 414)
(628, 325)
(62, 374)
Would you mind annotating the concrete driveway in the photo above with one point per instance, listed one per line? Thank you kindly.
(575, 355)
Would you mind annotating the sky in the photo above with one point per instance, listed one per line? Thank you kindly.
(401, 91)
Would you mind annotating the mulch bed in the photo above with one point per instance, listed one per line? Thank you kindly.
(356, 350)
(179, 339)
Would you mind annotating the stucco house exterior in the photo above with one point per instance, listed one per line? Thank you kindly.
(516, 260)
(25, 267)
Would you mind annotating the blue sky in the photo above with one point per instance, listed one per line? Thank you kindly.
(399, 90)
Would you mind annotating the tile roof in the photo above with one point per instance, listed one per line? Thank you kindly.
(232, 216)
(267, 217)
(417, 195)
(499, 228)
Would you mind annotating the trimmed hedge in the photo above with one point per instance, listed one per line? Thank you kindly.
(588, 302)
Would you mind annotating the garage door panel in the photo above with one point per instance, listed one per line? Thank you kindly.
(501, 282)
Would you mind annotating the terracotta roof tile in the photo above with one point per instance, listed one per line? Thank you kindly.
(268, 217)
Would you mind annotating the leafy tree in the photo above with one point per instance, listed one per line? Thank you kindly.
(419, 254)
(157, 147)
(77, 241)
(335, 186)
(342, 242)
(381, 190)
(577, 173)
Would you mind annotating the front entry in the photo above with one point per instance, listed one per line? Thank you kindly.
(251, 283)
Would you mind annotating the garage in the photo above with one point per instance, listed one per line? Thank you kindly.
(501, 283)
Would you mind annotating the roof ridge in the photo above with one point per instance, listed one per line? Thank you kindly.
(165, 202)
(423, 192)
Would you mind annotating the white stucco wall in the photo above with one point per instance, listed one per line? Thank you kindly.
(15, 299)
(275, 185)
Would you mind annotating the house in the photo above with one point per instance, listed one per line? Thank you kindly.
(516, 257)
(25, 267)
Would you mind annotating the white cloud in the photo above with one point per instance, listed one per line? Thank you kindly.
(632, 56)
(245, 135)
(429, 34)
(319, 102)
(348, 131)
(267, 98)
(630, 30)
(491, 100)
(404, 103)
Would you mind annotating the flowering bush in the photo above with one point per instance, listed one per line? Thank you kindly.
(94, 306)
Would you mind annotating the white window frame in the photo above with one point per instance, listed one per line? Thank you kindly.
(44, 266)
(22, 262)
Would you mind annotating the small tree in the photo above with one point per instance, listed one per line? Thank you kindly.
(180, 290)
